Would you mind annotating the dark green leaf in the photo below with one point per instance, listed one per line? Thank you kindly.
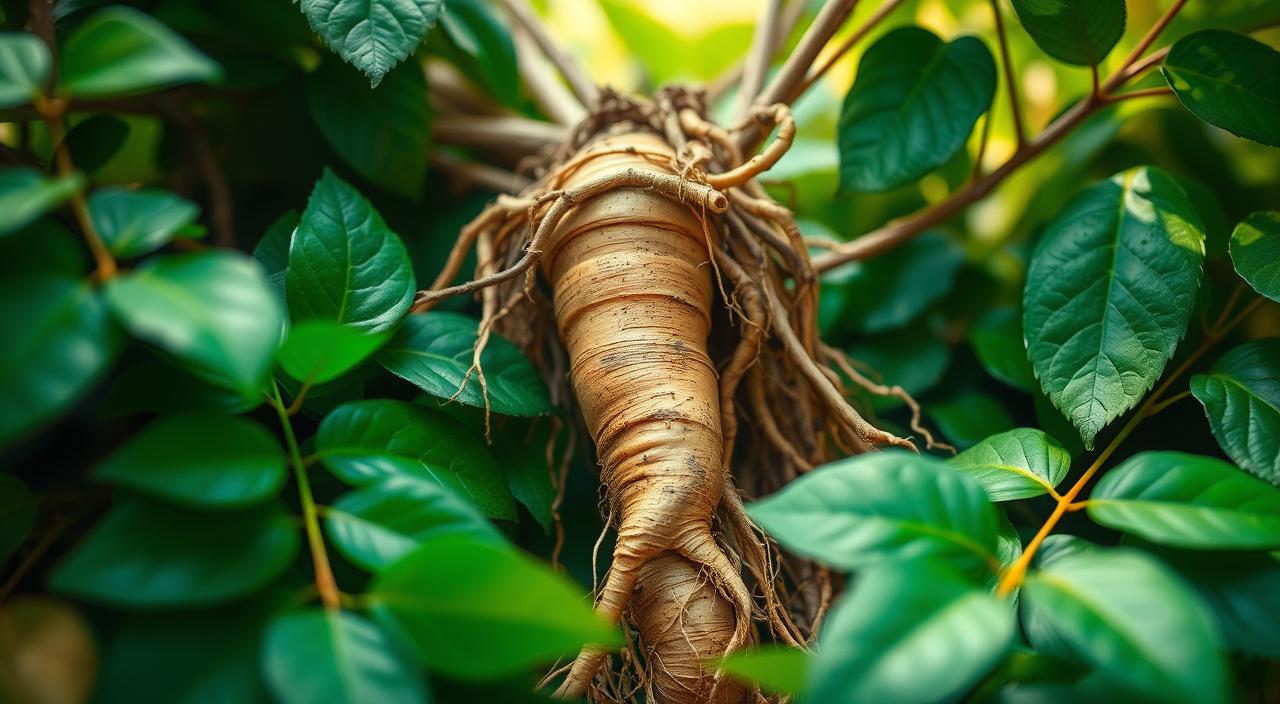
(272, 251)
(1242, 592)
(1016, 464)
(24, 65)
(898, 286)
(1129, 618)
(381, 523)
(433, 351)
(17, 515)
(908, 633)
(883, 506)
(364, 442)
(132, 223)
(158, 386)
(212, 310)
(997, 340)
(1080, 32)
(1228, 80)
(914, 359)
(59, 344)
(524, 459)
(317, 351)
(911, 108)
(372, 35)
(383, 133)
(1255, 251)
(774, 668)
(1241, 396)
(25, 194)
(1109, 291)
(345, 264)
(473, 609)
(968, 417)
(145, 555)
(481, 47)
(95, 140)
(1188, 501)
(120, 51)
(336, 657)
(43, 247)
(202, 460)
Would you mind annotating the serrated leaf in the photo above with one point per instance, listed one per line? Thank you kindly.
(383, 133)
(345, 264)
(1016, 464)
(1129, 618)
(1188, 501)
(911, 108)
(1109, 292)
(121, 51)
(997, 341)
(1241, 397)
(26, 194)
(1255, 252)
(316, 351)
(133, 223)
(201, 460)
(212, 310)
(474, 610)
(1228, 80)
(433, 351)
(24, 65)
(1080, 32)
(913, 632)
(887, 506)
(364, 442)
(779, 669)
(17, 515)
(372, 35)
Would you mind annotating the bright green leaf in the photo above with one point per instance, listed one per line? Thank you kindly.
(1228, 80)
(997, 341)
(1016, 464)
(1080, 32)
(1255, 251)
(968, 417)
(317, 351)
(17, 515)
(26, 194)
(1241, 396)
(132, 223)
(372, 35)
(24, 65)
(779, 669)
(121, 51)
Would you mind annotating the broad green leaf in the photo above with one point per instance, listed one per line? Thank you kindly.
(475, 610)
(24, 65)
(1016, 464)
(1241, 396)
(145, 555)
(1188, 501)
(912, 107)
(345, 264)
(158, 386)
(60, 342)
(524, 458)
(95, 140)
(316, 351)
(17, 515)
(1129, 618)
(886, 506)
(968, 417)
(910, 632)
(1229, 81)
(372, 35)
(1255, 252)
(899, 286)
(383, 133)
(1109, 292)
(1241, 590)
(479, 43)
(212, 310)
(997, 341)
(133, 223)
(433, 351)
(26, 194)
(121, 51)
(364, 442)
(336, 657)
(202, 460)
(1080, 32)
(384, 521)
(779, 669)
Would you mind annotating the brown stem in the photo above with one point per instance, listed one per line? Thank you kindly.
(516, 134)
(479, 174)
(53, 111)
(548, 92)
(757, 61)
(1006, 62)
(858, 35)
(581, 85)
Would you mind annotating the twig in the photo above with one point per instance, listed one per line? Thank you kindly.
(548, 92)
(757, 61)
(858, 35)
(514, 133)
(581, 85)
(483, 175)
(1144, 93)
(1006, 62)
(450, 91)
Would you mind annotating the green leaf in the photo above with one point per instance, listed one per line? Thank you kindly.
(1129, 618)
(1242, 592)
(43, 247)
(1109, 292)
(381, 523)
(480, 46)
(25, 194)
(997, 341)
(914, 359)
(1080, 32)
(384, 134)
(911, 632)
(475, 610)
(968, 417)
(433, 351)
(523, 457)
(95, 140)
(336, 657)
(372, 35)
(886, 506)
(345, 264)
(912, 107)
(121, 51)
(899, 286)
(1228, 80)
(202, 460)
(317, 351)
(1188, 501)
(133, 223)
(779, 669)
(212, 310)
(17, 515)
(1255, 252)
(157, 386)
(24, 65)
(1016, 464)
(1241, 396)
(59, 344)
(145, 555)
(272, 251)
(363, 442)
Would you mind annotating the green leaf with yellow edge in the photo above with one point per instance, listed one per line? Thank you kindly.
(1016, 464)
